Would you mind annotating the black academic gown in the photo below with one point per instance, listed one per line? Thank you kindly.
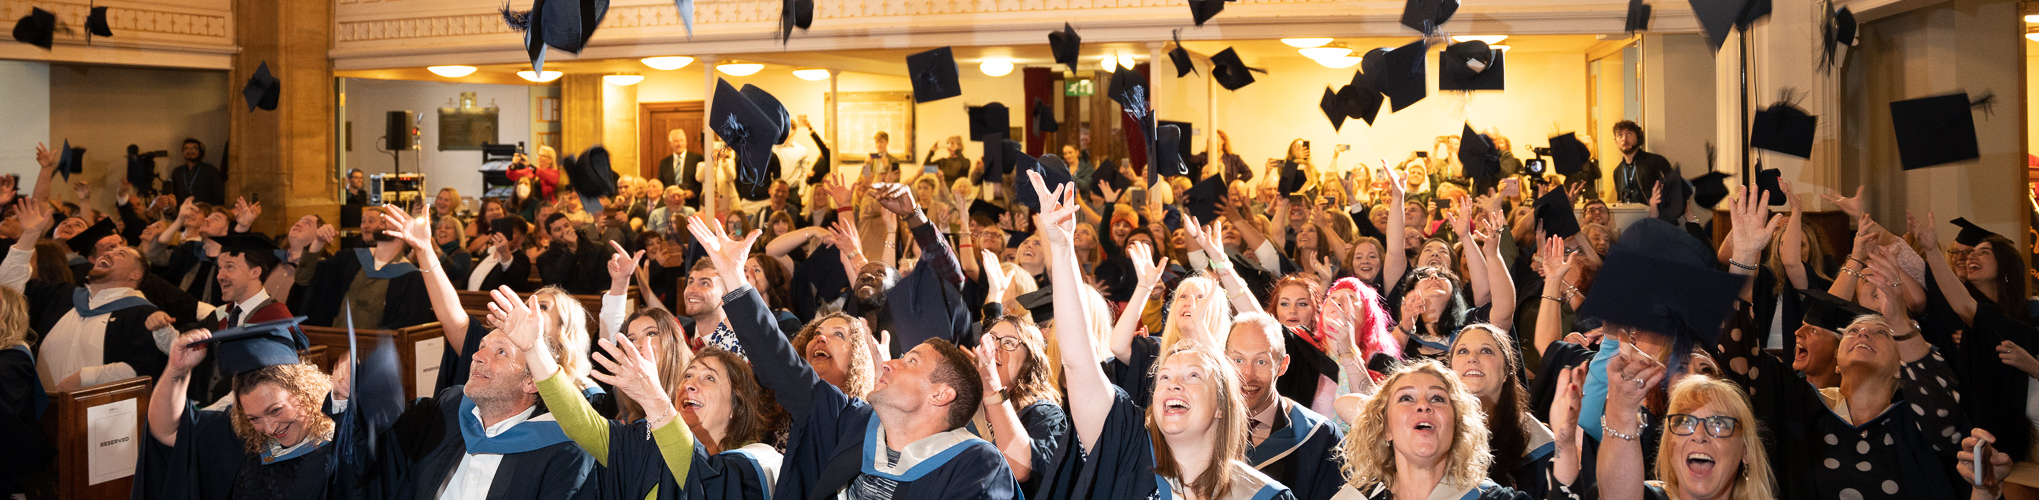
(1121, 465)
(578, 270)
(427, 443)
(831, 441)
(189, 258)
(21, 403)
(325, 297)
(1301, 452)
(127, 339)
(1308, 369)
(210, 461)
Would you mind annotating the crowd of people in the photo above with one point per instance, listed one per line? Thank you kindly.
(1062, 327)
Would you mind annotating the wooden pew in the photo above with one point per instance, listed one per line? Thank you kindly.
(122, 407)
(477, 304)
(418, 349)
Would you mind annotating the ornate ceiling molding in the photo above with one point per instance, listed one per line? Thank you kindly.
(144, 31)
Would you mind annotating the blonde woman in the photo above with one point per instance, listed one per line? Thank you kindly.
(1713, 448)
(1422, 436)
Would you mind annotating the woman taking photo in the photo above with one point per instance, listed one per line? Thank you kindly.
(1422, 436)
(1022, 408)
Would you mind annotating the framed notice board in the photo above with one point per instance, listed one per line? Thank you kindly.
(861, 115)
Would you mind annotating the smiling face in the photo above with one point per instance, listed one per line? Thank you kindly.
(237, 280)
(1706, 466)
(754, 272)
(1366, 260)
(1032, 255)
(1086, 236)
(1294, 306)
(1815, 351)
(1186, 396)
(121, 266)
(1306, 237)
(831, 349)
(1421, 421)
(1253, 356)
(1481, 364)
(1436, 253)
(1121, 228)
(704, 396)
(445, 202)
(1867, 349)
(497, 373)
(271, 411)
(704, 292)
(1981, 267)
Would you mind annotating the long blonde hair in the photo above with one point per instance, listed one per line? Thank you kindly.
(13, 318)
(568, 338)
(1230, 445)
(1370, 455)
(1215, 315)
(1694, 391)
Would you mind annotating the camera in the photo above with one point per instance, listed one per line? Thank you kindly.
(1540, 151)
(1534, 165)
(135, 152)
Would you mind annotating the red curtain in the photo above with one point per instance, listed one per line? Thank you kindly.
(1039, 84)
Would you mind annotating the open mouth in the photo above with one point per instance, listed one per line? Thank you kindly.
(1174, 406)
(1799, 354)
(1426, 427)
(690, 405)
(1700, 464)
(1474, 373)
(1863, 346)
(820, 354)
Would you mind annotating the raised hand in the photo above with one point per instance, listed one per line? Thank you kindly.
(1057, 220)
(1110, 195)
(518, 319)
(633, 370)
(1794, 231)
(183, 355)
(45, 157)
(1998, 466)
(1207, 238)
(1630, 377)
(325, 237)
(416, 231)
(2014, 355)
(1556, 262)
(1927, 234)
(1326, 271)
(995, 278)
(896, 198)
(1395, 185)
(1851, 205)
(621, 265)
(1867, 232)
(849, 246)
(1656, 197)
(727, 253)
(1753, 225)
(35, 219)
(838, 190)
(987, 368)
(245, 213)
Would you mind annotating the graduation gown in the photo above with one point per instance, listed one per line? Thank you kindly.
(634, 462)
(21, 406)
(1122, 465)
(321, 299)
(427, 443)
(127, 340)
(835, 438)
(579, 270)
(1486, 490)
(210, 461)
(1301, 452)
(189, 258)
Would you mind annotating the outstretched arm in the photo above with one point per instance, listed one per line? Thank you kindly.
(1090, 395)
(1957, 295)
(1556, 266)
(438, 287)
(1499, 282)
(168, 401)
(1397, 259)
(1148, 273)
(1235, 287)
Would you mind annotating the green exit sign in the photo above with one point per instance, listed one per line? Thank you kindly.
(1080, 88)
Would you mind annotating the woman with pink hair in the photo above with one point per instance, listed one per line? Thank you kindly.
(1356, 321)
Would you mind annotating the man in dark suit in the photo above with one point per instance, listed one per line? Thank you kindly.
(1640, 171)
(680, 168)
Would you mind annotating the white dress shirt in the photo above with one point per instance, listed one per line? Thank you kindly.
(76, 345)
(482, 270)
(477, 472)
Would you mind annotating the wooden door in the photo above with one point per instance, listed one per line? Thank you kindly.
(655, 119)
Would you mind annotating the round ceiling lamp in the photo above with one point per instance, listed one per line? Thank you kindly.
(625, 79)
(997, 66)
(451, 71)
(667, 63)
(1304, 43)
(812, 75)
(739, 69)
(539, 77)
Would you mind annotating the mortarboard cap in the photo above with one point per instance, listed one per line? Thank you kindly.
(1482, 162)
(1709, 189)
(1129, 89)
(1202, 11)
(1837, 33)
(1333, 107)
(85, 240)
(70, 160)
(774, 111)
(741, 124)
(987, 210)
(38, 28)
(561, 24)
(1426, 15)
(1971, 234)
(257, 249)
(592, 178)
(1044, 118)
(1180, 56)
(1671, 298)
(95, 23)
(1638, 16)
(934, 75)
(1361, 100)
(1768, 182)
(1187, 129)
(1399, 74)
(1001, 157)
(1292, 178)
(1554, 210)
(1720, 17)
(1231, 72)
(1013, 238)
(250, 347)
(1202, 198)
(1934, 130)
(1053, 173)
(262, 89)
(1470, 65)
(1568, 155)
(1040, 304)
(989, 121)
(1666, 240)
(1066, 45)
(924, 306)
(792, 14)
(1784, 128)
(1827, 312)
(1168, 150)
(1117, 276)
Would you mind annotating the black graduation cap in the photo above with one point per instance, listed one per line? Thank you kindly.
(1784, 128)
(792, 14)
(1040, 303)
(781, 120)
(262, 89)
(85, 240)
(987, 210)
(1971, 234)
(1554, 210)
(1426, 15)
(1129, 89)
(1837, 33)
(1001, 157)
(1638, 16)
(95, 23)
(934, 75)
(1231, 72)
(70, 160)
(1568, 154)
(1183, 64)
(561, 24)
(1182, 144)
(593, 179)
(1470, 65)
(686, 8)
(1292, 178)
(1709, 188)
(1013, 239)
(1360, 99)
(1202, 199)
(1168, 151)
(741, 124)
(1825, 311)
(922, 304)
(38, 28)
(250, 244)
(1768, 181)
(1398, 73)
(1117, 275)
(1672, 298)
(1667, 240)
(1482, 162)
(1719, 17)
(509, 224)
(1934, 130)
(1066, 45)
(252, 346)
(1053, 171)
(1334, 109)
(1044, 118)
(989, 122)
(1202, 11)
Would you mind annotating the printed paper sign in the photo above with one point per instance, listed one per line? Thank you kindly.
(110, 432)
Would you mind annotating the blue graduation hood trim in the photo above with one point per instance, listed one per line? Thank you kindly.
(388, 271)
(82, 300)
(528, 436)
(913, 473)
(300, 452)
(1303, 424)
(755, 467)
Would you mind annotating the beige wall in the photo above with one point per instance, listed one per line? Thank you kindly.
(103, 109)
(369, 100)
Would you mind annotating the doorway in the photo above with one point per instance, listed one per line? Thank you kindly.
(655, 120)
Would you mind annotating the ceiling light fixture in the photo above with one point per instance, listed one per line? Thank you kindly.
(1339, 62)
(451, 71)
(1304, 43)
(539, 77)
(2032, 18)
(2032, 36)
(1490, 39)
(739, 69)
(1503, 48)
(1126, 60)
(812, 75)
(625, 79)
(997, 66)
(1332, 51)
(667, 63)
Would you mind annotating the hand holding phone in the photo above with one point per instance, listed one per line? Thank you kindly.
(1981, 465)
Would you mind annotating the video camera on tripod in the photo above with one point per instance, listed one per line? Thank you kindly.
(141, 169)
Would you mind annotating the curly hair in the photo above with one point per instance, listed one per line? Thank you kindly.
(307, 387)
(1230, 445)
(1757, 480)
(1039, 376)
(752, 418)
(1370, 456)
(1507, 436)
(863, 371)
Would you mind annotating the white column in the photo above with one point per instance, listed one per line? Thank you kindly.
(707, 131)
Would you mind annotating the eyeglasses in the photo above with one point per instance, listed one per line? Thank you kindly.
(1719, 426)
(1430, 273)
(1009, 344)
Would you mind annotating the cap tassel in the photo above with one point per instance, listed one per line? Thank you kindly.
(1987, 101)
(518, 20)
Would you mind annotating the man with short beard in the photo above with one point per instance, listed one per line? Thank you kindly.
(701, 303)
(101, 332)
(878, 294)
(378, 284)
(574, 261)
(1640, 171)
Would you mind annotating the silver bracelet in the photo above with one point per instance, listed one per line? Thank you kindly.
(1611, 432)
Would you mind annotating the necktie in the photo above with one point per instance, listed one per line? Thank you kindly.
(233, 317)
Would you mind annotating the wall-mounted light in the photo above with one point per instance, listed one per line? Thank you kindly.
(1126, 60)
(625, 79)
(539, 77)
(739, 69)
(451, 71)
(997, 66)
(1490, 39)
(2032, 18)
(667, 63)
(812, 75)
(1304, 43)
